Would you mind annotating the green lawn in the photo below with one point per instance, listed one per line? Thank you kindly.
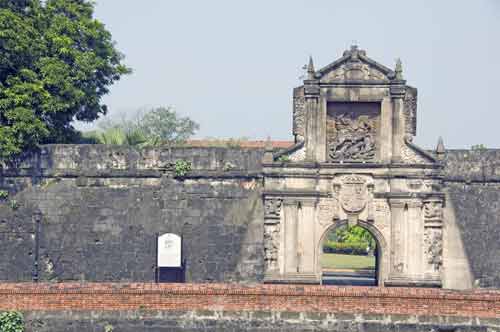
(354, 262)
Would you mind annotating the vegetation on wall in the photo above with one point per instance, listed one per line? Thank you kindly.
(154, 127)
(478, 147)
(11, 321)
(56, 63)
(182, 167)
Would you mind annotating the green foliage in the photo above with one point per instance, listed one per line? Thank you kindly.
(478, 147)
(354, 234)
(162, 125)
(344, 248)
(182, 167)
(56, 63)
(283, 159)
(11, 321)
(4, 194)
(156, 127)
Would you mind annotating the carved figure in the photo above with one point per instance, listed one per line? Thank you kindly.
(434, 247)
(272, 208)
(353, 138)
(432, 210)
(271, 233)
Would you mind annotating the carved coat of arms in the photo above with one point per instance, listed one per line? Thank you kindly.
(353, 194)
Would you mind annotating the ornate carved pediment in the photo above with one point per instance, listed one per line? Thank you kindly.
(354, 65)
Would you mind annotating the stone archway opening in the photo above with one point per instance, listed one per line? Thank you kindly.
(350, 255)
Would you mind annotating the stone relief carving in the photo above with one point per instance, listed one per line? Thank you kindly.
(410, 111)
(351, 137)
(299, 115)
(432, 210)
(355, 70)
(272, 208)
(433, 235)
(271, 243)
(433, 241)
(409, 156)
(353, 193)
(327, 211)
(298, 155)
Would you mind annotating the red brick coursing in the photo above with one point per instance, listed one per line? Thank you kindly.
(235, 297)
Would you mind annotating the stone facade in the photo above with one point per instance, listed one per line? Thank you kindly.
(356, 119)
(249, 215)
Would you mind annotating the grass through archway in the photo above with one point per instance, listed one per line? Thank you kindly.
(349, 257)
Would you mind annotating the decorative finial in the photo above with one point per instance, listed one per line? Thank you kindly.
(310, 69)
(440, 150)
(399, 69)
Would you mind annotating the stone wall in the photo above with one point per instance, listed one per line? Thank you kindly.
(102, 206)
(218, 307)
(472, 183)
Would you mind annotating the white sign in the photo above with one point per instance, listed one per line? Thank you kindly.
(169, 250)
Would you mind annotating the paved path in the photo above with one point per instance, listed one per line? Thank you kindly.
(342, 278)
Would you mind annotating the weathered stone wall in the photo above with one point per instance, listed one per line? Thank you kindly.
(250, 321)
(472, 183)
(102, 205)
(223, 307)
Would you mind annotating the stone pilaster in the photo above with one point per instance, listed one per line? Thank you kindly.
(398, 234)
(272, 210)
(397, 91)
(291, 236)
(313, 124)
(433, 237)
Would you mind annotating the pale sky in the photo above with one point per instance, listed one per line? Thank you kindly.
(231, 65)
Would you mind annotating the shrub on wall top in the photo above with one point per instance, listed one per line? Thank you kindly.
(11, 321)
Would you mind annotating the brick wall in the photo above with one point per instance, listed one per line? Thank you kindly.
(234, 297)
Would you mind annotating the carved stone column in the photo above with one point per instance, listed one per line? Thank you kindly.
(272, 210)
(433, 237)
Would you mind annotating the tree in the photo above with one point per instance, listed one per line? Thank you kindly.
(154, 127)
(56, 63)
(354, 234)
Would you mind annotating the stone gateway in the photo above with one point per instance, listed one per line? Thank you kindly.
(257, 214)
(354, 162)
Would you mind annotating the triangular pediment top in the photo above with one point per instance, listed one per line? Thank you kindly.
(355, 65)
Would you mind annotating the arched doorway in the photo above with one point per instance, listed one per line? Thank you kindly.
(351, 255)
